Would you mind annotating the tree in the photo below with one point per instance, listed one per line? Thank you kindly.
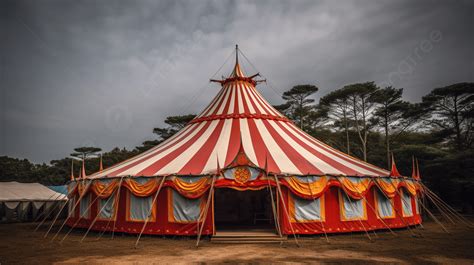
(361, 105)
(389, 113)
(336, 106)
(85, 152)
(175, 123)
(300, 103)
(451, 110)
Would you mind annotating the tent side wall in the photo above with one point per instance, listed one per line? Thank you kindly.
(160, 225)
(333, 222)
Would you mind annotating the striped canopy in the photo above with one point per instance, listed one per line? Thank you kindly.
(240, 119)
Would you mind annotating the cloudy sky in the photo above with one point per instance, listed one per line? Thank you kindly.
(105, 73)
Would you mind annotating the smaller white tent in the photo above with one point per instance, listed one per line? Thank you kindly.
(26, 201)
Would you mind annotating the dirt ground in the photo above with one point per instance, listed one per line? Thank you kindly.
(19, 244)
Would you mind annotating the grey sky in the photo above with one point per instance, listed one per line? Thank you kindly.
(104, 73)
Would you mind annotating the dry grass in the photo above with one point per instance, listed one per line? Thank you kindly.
(20, 244)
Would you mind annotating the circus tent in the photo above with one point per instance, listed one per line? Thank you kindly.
(240, 142)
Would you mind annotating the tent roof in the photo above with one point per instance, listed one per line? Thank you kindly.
(239, 118)
(15, 191)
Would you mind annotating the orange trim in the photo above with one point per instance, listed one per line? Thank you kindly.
(343, 212)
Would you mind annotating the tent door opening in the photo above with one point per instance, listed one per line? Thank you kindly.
(243, 210)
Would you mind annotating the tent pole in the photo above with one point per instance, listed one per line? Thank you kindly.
(116, 204)
(396, 210)
(352, 206)
(98, 214)
(77, 203)
(49, 199)
(320, 217)
(423, 205)
(275, 219)
(403, 201)
(448, 212)
(151, 209)
(285, 209)
(55, 219)
(46, 215)
(459, 216)
(434, 218)
(77, 221)
(116, 213)
(211, 190)
(440, 209)
(74, 208)
(375, 212)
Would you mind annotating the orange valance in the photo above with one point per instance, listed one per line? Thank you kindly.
(142, 190)
(388, 186)
(355, 189)
(191, 190)
(410, 186)
(104, 190)
(308, 189)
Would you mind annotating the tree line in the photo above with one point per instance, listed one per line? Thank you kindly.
(362, 119)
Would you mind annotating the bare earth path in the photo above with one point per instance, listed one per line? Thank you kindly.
(19, 244)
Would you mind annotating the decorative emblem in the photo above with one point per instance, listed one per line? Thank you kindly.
(242, 174)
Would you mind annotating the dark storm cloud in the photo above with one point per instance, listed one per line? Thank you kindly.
(105, 73)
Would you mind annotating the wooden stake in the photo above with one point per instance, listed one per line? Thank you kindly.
(285, 209)
(275, 218)
(211, 190)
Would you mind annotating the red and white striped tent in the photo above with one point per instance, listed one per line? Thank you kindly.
(241, 142)
(239, 115)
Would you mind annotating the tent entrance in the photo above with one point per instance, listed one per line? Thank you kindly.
(243, 210)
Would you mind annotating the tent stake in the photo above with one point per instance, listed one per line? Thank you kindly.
(151, 209)
(211, 190)
(285, 209)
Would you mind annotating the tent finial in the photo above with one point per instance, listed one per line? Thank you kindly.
(236, 54)
(101, 166)
(72, 169)
(83, 170)
(394, 171)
